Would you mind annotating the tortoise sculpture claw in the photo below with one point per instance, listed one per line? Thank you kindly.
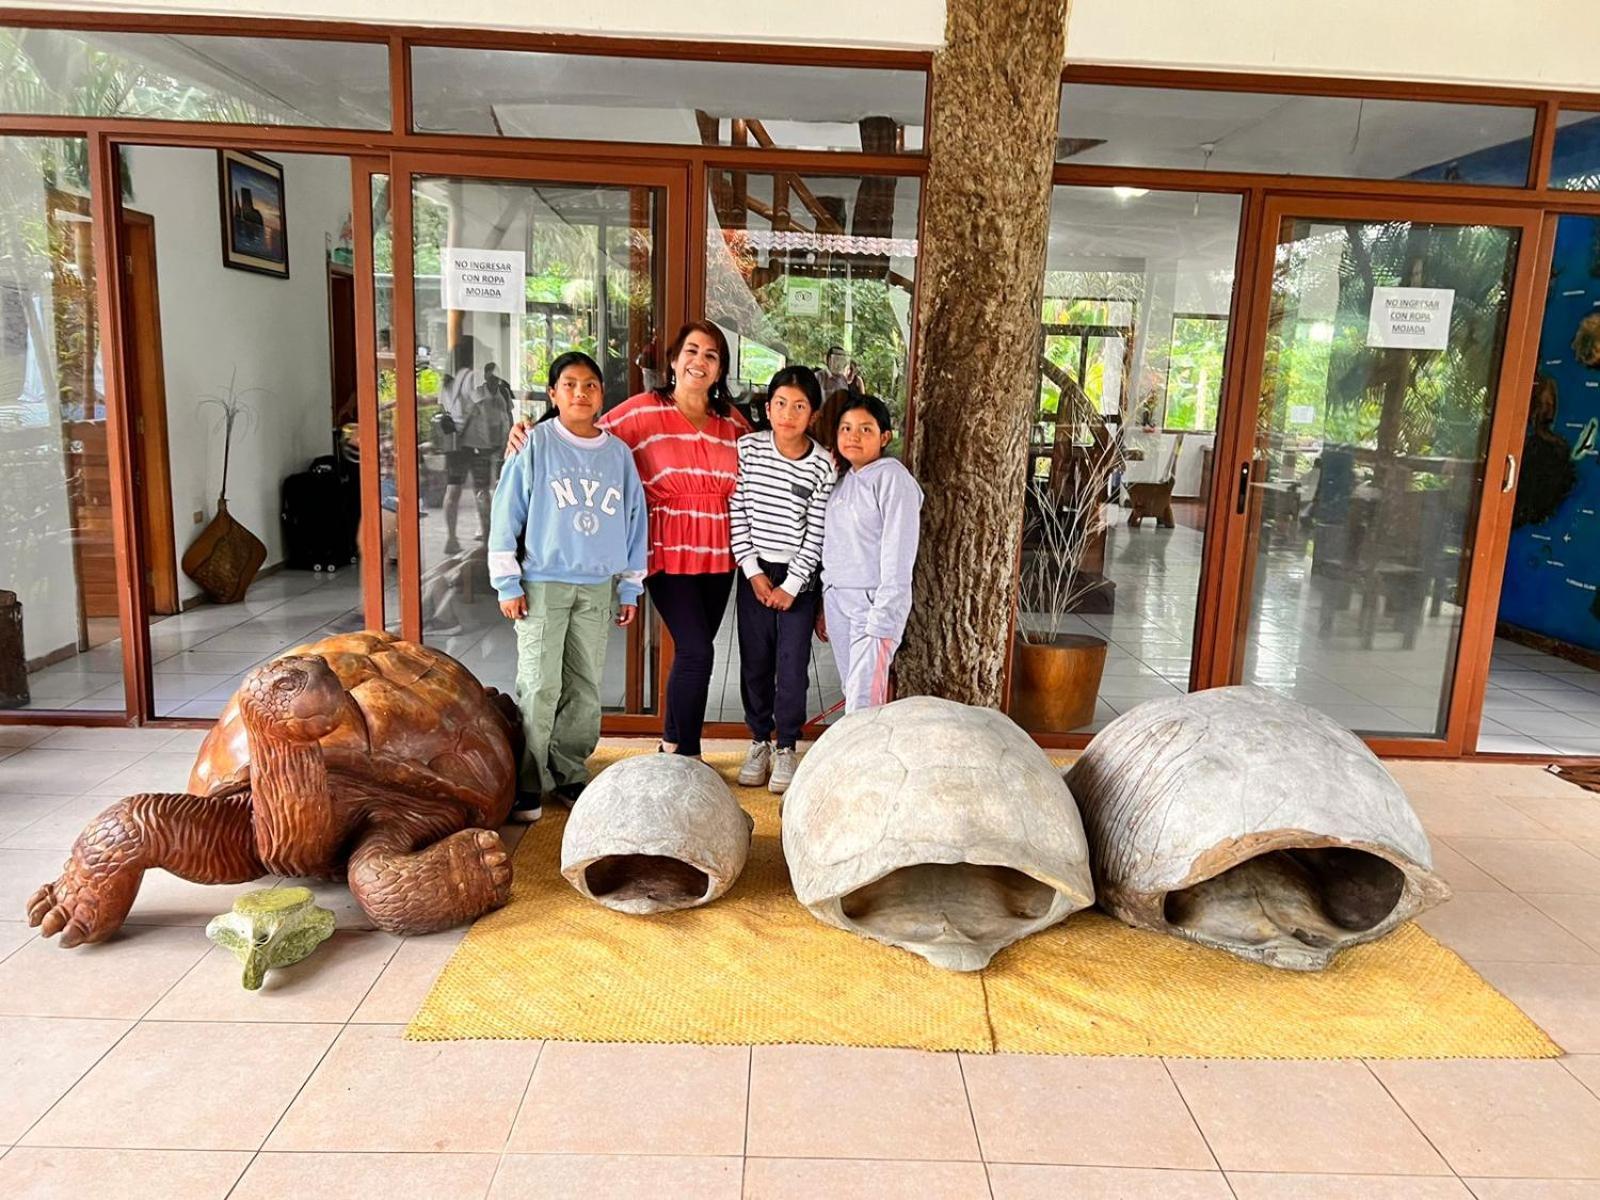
(359, 755)
(275, 927)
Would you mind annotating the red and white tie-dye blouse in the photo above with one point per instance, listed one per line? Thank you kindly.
(688, 475)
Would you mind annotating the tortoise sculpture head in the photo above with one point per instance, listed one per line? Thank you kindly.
(298, 695)
(361, 755)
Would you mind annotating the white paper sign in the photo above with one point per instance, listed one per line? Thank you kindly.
(484, 280)
(1410, 318)
(803, 299)
(1302, 414)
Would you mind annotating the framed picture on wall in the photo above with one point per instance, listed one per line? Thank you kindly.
(255, 222)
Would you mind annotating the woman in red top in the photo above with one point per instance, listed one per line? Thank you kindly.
(683, 439)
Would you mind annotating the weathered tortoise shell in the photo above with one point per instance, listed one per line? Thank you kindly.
(1244, 820)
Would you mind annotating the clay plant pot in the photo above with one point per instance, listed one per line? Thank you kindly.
(1054, 683)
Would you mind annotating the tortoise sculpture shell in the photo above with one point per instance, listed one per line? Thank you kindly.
(1247, 821)
(359, 755)
(415, 715)
(937, 827)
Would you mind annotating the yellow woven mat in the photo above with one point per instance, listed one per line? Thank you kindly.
(755, 967)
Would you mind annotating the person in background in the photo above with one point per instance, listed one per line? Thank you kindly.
(776, 518)
(838, 373)
(572, 500)
(869, 547)
(684, 439)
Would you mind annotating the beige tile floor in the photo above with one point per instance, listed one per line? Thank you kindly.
(140, 1068)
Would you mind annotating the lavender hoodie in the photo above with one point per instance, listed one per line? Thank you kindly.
(869, 541)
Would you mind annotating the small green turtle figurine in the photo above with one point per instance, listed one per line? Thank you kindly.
(271, 928)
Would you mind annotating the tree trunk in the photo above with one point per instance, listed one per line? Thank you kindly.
(986, 222)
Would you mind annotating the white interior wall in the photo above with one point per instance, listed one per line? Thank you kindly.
(1535, 43)
(216, 321)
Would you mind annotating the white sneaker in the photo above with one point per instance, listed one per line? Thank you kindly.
(783, 764)
(757, 763)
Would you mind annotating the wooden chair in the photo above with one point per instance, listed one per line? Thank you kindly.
(1155, 499)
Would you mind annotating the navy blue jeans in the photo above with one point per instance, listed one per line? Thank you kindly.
(775, 659)
(692, 608)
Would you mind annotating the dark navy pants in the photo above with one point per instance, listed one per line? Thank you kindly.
(775, 659)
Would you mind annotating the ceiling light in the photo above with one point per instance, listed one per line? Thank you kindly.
(1127, 193)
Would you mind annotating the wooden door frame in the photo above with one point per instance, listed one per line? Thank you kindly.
(1507, 416)
(673, 253)
(152, 453)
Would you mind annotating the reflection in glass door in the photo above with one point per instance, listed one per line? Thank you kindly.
(1134, 330)
(1381, 364)
(508, 276)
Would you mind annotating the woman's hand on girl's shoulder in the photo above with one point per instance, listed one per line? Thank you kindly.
(518, 438)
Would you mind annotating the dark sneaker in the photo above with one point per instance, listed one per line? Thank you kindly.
(568, 793)
(528, 808)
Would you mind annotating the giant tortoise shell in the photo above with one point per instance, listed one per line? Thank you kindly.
(415, 716)
(1244, 820)
(937, 827)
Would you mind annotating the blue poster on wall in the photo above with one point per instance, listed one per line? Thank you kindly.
(1553, 568)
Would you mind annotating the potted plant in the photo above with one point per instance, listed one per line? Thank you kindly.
(1055, 671)
(224, 559)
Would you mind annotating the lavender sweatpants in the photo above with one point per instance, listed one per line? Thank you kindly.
(863, 660)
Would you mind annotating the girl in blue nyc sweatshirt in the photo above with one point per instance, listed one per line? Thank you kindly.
(568, 545)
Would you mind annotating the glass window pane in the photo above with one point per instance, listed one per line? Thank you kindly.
(587, 97)
(589, 281)
(798, 267)
(57, 557)
(1138, 288)
(1369, 465)
(1576, 164)
(283, 347)
(1294, 135)
(184, 77)
(383, 319)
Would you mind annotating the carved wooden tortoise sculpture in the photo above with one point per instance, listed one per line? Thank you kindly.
(359, 754)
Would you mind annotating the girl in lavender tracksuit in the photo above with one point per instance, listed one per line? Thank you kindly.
(869, 546)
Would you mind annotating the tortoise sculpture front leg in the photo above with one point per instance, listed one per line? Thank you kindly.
(206, 839)
(406, 890)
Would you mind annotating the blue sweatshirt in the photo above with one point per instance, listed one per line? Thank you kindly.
(869, 540)
(569, 510)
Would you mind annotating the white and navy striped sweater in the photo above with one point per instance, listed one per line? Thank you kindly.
(777, 509)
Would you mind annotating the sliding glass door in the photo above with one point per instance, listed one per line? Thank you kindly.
(1382, 418)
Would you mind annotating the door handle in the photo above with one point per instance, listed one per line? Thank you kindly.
(1244, 489)
(1510, 479)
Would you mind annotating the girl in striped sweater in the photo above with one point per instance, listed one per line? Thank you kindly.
(776, 517)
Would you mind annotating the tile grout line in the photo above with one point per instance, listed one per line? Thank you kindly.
(972, 1115)
(1198, 1128)
(1583, 1083)
(132, 1025)
(749, 1090)
(315, 1067)
(505, 1146)
(1395, 1100)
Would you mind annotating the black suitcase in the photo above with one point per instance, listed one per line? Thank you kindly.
(321, 514)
